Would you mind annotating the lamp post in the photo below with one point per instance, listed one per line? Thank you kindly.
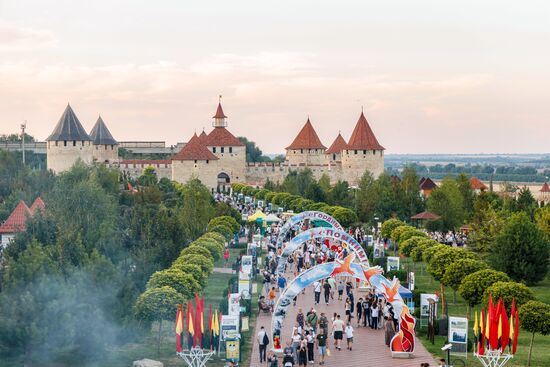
(23, 127)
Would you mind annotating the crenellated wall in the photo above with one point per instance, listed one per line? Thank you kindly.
(62, 155)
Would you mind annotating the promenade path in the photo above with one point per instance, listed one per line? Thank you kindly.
(368, 348)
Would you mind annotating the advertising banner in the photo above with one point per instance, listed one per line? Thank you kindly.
(424, 304)
(393, 263)
(458, 330)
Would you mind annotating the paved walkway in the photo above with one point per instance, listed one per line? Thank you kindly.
(368, 350)
(223, 270)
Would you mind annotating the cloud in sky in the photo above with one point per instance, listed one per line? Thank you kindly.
(14, 38)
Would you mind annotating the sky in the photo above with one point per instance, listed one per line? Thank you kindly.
(432, 76)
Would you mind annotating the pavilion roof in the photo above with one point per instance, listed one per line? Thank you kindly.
(426, 215)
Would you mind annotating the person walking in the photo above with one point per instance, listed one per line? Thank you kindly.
(312, 319)
(374, 315)
(389, 331)
(340, 290)
(300, 319)
(302, 356)
(359, 308)
(263, 341)
(349, 335)
(322, 344)
(332, 283)
(326, 288)
(271, 295)
(317, 292)
(310, 339)
(338, 331)
(272, 360)
(323, 323)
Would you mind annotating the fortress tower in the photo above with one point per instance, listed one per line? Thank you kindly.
(334, 152)
(105, 147)
(363, 152)
(306, 149)
(67, 143)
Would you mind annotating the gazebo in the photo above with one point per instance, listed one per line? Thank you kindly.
(423, 217)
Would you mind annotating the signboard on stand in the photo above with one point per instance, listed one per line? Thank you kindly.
(458, 334)
(234, 307)
(411, 281)
(244, 287)
(424, 304)
(393, 263)
(229, 325)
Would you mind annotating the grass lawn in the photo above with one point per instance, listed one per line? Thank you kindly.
(541, 349)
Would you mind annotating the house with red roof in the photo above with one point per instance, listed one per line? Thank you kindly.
(544, 195)
(477, 185)
(17, 220)
(427, 186)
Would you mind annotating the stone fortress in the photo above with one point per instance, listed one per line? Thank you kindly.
(219, 158)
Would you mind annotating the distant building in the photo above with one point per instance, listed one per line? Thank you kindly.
(477, 185)
(219, 158)
(426, 186)
(17, 220)
(544, 195)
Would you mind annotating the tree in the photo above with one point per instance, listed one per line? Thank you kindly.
(444, 257)
(535, 318)
(346, 217)
(205, 263)
(183, 283)
(473, 286)
(418, 251)
(410, 200)
(223, 230)
(409, 244)
(509, 291)
(341, 194)
(408, 233)
(467, 194)
(542, 218)
(389, 225)
(253, 152)
(315, 192)
(487, 225)
(521, 250)
(429, 252)
(227, 221)
(526, 202)
(197, 250)
(224, 209)
(197, 208)
(194, 270)
(148, 177)
(446, 201)
(458, 270)
(324, 183)
(396, 233)
(158, 304)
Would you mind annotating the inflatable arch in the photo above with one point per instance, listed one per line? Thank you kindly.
(298, 218)
(402, 342)
(321, 232)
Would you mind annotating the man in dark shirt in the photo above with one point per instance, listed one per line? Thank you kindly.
(326, 287)
(322, 344)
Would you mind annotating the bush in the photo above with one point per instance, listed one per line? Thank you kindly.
(396, 233)
(459, 269)
(288, 200)
(205, 263)
(195, 249)
(508, 291)
(237, 187)
(215, 236)
(389, 225)
(184, 283)
(269, 197)
(473, 286)
(214, 248)
(260, 195)
(225, 220)
(279, 197)
(418, 251)
(444, 257)
(410, 232)
(156, 304)
(408, 245)
(224, 231)
(430, 251)
(315, 206)
(194, 270)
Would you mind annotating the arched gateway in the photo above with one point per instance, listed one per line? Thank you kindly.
(322, 232)
(402, 342)
(298, 218)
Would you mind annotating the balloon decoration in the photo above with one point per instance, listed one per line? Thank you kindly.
(401, 342)
(299, 218)
(347, 242)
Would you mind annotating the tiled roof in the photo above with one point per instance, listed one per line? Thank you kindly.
(203, 137)
(219, 112)
(68, 128)
(476, 184)
(307, 138)
(38, 204)
(427, 184)
(337, 145)
(221, 137)
(194, 150)
(426, 215)
(101, 135)
(16, 220)
(545, 187)
(362, 137)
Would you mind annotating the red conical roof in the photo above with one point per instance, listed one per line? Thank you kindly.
(545, 187)
(338, 145)
(203, 137)
(194, 150)
(38, 204)
(219, 112)
(221, 137)
(362, 137)
(16, 220)
(307, 139)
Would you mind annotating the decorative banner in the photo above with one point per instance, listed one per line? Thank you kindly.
(425, 305)
(347, 241)
(458, 330)
(401, 342)
(234, 307)
(232, 350)
(298, 218)
(392, 264)
(411, 281)
(229, 325)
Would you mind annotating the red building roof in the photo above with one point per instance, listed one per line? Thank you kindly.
(362, 137)
(203, 137)
(221, 137)
(545, 187)
(219, 112)
(426, 216)
(16, 220)
(194, 150)
(38, 204)
(337, 145)
(476, 184)
(307, 138)
(427, 184)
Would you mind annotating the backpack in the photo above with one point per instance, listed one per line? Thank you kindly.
(266, 340)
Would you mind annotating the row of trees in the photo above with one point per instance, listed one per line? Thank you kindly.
(187, 275)
(522, 257)
(345, 216)
(89, 256)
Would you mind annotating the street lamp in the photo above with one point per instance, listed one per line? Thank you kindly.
(23, 127)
